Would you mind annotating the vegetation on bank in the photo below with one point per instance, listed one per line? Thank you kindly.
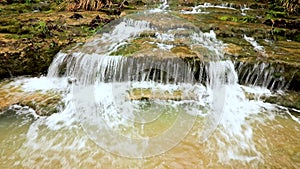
(33, 32)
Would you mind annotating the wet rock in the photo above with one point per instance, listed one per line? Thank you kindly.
(76, 16)
(140, 2)
(126, 3)
(183, 51)
(98, 20)
(95, 22)
(293, 25)
(288, 99)
(282, 23)
(296, 157)
(112, 11)
(44, 103)
(2, 43)
(233, 50)
(148, 94)
(116, 12)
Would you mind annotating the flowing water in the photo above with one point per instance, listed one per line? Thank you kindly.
(150, 108)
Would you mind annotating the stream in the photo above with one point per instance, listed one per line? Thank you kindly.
(149, 90)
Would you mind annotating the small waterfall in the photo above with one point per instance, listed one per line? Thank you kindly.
(209, 124)
(199, 8)
(164, 5)
(95, 66)
(243, 9)
(256, 46)
(263, 74)
(95, 62)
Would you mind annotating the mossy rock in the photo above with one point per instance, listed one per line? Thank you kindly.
(288, 99)
(44, 103)
(150, 94)
(233, 50)
(183, 51)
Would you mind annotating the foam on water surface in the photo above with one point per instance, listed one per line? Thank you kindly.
(217, 128)
(40, 83)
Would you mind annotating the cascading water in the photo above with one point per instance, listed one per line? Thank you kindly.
(154, 104)
(262, 74)
(158, 68)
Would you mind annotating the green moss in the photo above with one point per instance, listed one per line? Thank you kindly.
(18, 7)
(296, 37)
(9, 29)
(279, 31)
(277, 74)
(275, 14)
(127, 49)
(22, 36)
(225, 18)
(134, 46)
(245, 19)
(249, 19)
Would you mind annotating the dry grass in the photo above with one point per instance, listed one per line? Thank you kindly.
(291, 6)
(89, 5)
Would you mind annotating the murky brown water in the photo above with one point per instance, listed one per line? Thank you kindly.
(275, 143)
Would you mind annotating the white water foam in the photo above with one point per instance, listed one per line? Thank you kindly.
(198, 9)
(234, 135)
(244, 8)
(161, 8)
(41, 83)
(101, 66)
(255, 44)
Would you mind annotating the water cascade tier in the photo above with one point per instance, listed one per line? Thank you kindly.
(150, 90)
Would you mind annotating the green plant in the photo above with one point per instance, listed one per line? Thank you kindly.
(234, 19)
(224, 18)
(28, 1)
(58, 1)
(229, 18)
(276, 14)
(42, 29)
(249, 19)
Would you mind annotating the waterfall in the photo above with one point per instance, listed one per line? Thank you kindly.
(94, 61)
(152, 87)
(263, 74)
(95, 66)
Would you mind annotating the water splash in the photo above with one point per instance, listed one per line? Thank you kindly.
(199, 8)
(161, 8)
(256, 46)
(243, 9)
(112, 107)
(60, 140)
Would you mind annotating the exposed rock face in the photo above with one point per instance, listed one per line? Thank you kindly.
(44, 103)
(148, 94)
(30, 40)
